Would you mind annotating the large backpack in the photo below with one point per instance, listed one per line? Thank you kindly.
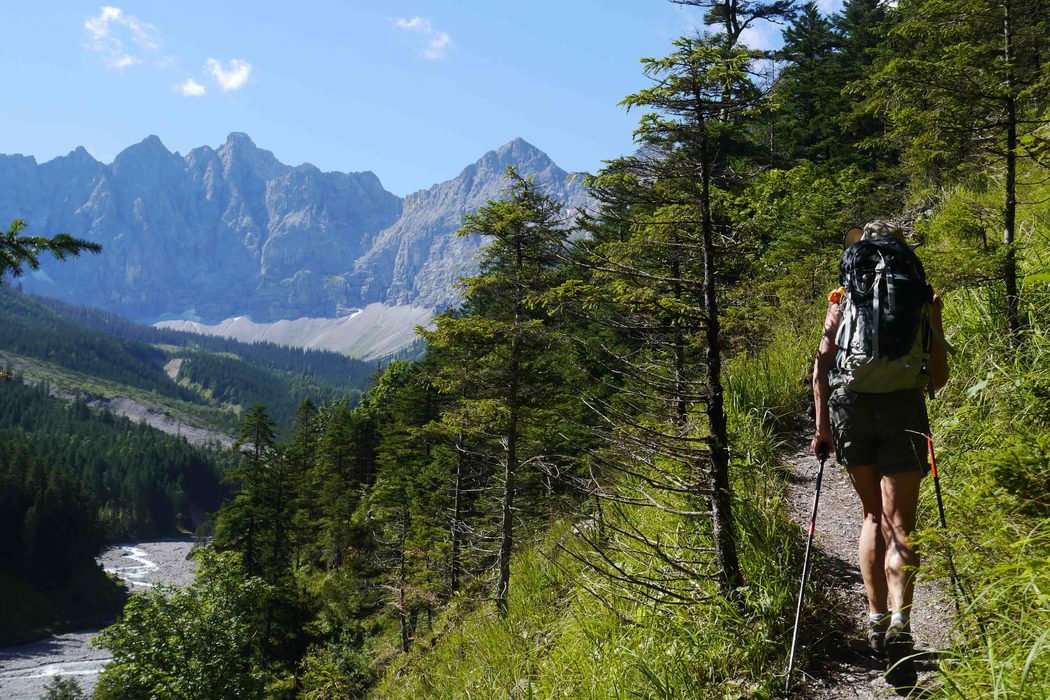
(884, 336)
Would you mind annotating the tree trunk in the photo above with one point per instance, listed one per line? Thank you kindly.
(507, 526)
(681, 406)
(718, 440)
(402, 611)
(1013, 314)
(457, 514)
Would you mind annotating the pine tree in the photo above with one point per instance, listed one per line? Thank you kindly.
(501, 353)
(18, 251)
(809, 90)
(662, 261)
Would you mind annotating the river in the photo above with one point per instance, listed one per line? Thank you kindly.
(26, 669)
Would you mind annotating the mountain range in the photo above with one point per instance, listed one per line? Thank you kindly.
(232, 231)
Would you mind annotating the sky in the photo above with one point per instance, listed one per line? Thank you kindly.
(413, 91)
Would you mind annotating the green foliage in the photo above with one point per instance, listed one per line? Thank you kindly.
(196, 642)
(132, 479)
(948, 72)
(214, 371)
(33, 329)
(332, 367)
(991, 427)
(63, 688)
(502, 360)
(581, 385)
(18, 251)
(83, 597)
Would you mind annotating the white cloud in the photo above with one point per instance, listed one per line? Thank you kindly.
(191, 88)
(829, 7)
(764, 35)
(231, 77)
(115, 36)
(437, 42)
(415, 24)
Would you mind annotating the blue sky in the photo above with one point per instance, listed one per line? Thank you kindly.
(413, 91)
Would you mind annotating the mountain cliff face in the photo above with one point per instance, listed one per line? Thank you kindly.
(233, 231)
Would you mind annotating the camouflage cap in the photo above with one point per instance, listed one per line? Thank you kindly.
(882, 229)
(879, 228)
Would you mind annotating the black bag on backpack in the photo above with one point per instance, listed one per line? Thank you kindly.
(884, 336)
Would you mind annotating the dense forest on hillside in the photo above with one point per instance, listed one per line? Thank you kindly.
(131, 480)
(73, 479)
(214, 372)
(33, 329)
(576, 492)
(332, 367)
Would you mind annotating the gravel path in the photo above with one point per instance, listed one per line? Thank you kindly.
(853, 672)
(26, 669)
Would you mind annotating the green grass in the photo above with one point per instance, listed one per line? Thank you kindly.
(992, 427)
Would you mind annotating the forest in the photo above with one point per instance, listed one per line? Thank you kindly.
(578, 491)
(72, 480)
(215, 372)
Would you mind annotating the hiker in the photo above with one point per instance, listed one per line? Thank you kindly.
(882, 347)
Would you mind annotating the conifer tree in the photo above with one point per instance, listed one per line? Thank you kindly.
(964, 84)
(500, 352)
(809, 90)
(660, 254)
(18, 251)
(243, 520)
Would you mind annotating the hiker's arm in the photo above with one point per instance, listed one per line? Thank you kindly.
(938, 353)
(821, 388)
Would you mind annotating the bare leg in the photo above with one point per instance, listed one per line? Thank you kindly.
(872, 545)
(900, 496)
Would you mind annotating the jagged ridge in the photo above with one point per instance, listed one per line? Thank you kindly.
(233, 231)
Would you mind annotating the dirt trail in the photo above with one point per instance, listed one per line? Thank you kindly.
(853, 672)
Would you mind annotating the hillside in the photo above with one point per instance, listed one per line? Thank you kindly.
(371, 333)
(127, 367)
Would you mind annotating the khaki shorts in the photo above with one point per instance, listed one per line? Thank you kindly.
(880, 429)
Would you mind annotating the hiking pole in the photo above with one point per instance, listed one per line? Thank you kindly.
(944, 525)
(822, 456)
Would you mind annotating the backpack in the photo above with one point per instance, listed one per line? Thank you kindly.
(884, 336)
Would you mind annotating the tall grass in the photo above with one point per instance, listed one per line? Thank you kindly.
(992, 427)
(992, 430)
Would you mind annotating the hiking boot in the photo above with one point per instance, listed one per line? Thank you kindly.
(877, 635)
(900, 666)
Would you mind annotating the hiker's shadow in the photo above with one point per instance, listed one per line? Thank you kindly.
(840, 570)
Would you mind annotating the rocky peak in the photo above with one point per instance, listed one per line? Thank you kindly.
(80, 156)
(231, 230)
(240, 154)
(144, 159)
(521, 154)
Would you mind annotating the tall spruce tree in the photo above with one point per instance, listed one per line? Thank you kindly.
(501, 356)
(809, 90)
(661, 257)
(244, 520)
